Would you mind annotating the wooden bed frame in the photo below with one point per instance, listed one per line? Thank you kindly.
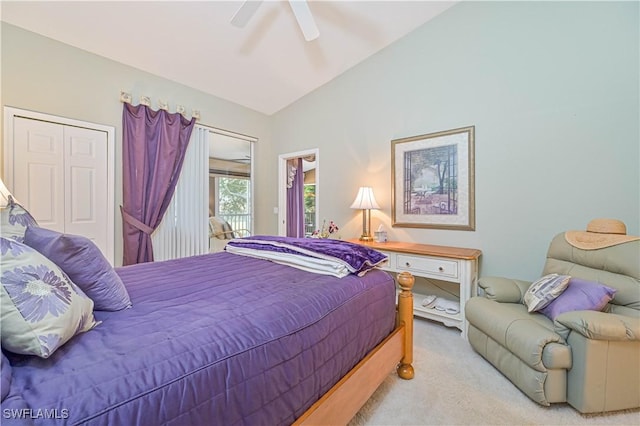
(344, 400)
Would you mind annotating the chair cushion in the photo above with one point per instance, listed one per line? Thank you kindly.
(616, 267)
(220, 228)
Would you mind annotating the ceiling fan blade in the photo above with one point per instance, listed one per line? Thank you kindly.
(305, 19)
(245, 12)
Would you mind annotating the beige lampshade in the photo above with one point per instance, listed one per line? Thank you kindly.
(365, 199)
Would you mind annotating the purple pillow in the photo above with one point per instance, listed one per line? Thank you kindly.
(580, 295)
(5, 370)
(85, 265)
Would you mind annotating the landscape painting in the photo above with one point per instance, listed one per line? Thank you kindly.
(433, 180)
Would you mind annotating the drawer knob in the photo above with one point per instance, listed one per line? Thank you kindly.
(407, 264)
(441, 269)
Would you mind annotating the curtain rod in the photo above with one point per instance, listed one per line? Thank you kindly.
(146, 100)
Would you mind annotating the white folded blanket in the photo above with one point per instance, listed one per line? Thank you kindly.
(311, 264)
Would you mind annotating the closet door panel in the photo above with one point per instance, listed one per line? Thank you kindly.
(39, 172)
(86, 184)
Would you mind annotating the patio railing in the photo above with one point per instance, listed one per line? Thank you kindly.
(237, 221)
(309, 223)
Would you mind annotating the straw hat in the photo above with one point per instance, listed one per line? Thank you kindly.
(600, 233)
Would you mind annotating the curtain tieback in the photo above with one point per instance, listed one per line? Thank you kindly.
(135, 222)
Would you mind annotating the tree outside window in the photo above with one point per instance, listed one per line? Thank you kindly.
(309, 209)
(234, 202)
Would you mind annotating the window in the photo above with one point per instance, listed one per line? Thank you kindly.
(234, 201)
(309, 209)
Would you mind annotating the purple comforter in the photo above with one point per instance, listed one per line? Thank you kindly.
(216, 339)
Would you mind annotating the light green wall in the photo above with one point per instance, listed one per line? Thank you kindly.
(43, 75)
(552, 89)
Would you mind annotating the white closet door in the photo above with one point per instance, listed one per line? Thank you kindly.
(86, 184)
(39, 170)
(61, 177)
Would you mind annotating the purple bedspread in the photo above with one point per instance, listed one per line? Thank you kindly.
(211, 340)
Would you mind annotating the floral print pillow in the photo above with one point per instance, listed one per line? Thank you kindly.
(40, 308)
(14, 220)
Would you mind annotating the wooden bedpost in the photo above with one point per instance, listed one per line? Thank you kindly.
(405, 317)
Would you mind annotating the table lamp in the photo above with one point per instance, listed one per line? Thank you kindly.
(365, 201)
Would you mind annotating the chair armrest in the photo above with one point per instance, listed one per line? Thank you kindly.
(520, 333)
(241, 233)
(228, 235)
(222, 235)
(598, 325)
(504, 290)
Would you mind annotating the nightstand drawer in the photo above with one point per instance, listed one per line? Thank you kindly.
(391, 263)
(430, 265)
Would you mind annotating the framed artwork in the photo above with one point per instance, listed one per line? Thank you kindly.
(433, 180)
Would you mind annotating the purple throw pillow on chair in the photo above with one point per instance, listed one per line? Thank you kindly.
(580, 295)
(85, 265)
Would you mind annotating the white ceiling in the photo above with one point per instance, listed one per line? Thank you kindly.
(264, 66)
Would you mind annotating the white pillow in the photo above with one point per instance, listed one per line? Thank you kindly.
(545, 290)
(40, 308)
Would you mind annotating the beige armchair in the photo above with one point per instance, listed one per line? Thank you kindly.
(220, 232)
(588, 358)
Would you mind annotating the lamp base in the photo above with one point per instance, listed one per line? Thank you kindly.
(367, 238)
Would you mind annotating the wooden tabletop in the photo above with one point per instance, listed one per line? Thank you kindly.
(423, 249)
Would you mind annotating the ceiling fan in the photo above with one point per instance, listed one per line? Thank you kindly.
(300, 9)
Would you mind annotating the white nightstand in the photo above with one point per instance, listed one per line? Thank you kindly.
(453, 264)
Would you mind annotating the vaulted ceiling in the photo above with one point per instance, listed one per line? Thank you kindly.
(265, 66)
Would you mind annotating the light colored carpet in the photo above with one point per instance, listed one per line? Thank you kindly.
(453, 385)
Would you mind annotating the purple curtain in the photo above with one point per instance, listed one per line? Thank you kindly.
(295, 201)
(154, 144)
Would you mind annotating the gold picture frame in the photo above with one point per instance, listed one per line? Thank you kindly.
(433, 180)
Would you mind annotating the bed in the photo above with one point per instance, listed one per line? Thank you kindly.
(222, 338)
